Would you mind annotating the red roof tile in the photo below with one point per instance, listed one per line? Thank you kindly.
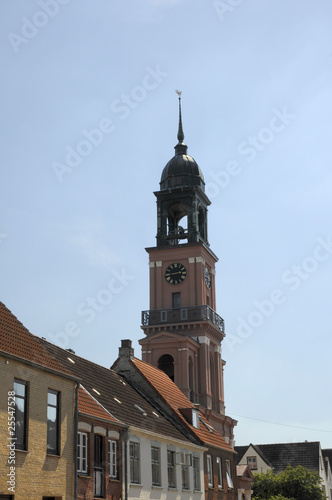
(15, 339)
(177, 400)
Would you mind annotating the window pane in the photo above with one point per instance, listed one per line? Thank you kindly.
(134, 462)
(51, 414)
(19, 388)
(155, 462)
(52, 398)
(112, 457)
(52, 423)
(171, 469)
(228, 474)
(219, 472)
(185, 477)
(209, 470)
(197, 482)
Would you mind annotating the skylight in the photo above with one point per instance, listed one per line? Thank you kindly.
(71, 360)
(141, 410)
(95, 390)
(211, 429)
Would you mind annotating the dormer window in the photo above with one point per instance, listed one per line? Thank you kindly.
(195, 417)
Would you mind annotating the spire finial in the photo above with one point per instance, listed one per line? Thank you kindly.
(180, 130)
(180, 148)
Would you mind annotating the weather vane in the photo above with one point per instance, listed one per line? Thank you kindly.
(179, 92)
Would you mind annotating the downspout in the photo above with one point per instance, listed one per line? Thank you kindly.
(75, 441)
(125, 437)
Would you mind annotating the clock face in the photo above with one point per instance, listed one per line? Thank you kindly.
(175, 273)
(207, 278)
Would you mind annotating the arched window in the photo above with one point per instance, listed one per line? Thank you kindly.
(166, 364)
(177, 233)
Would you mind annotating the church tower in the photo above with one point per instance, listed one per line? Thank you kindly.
(183, 331)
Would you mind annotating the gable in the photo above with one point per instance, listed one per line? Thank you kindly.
(253, 457)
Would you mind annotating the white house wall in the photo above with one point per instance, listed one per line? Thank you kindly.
(145, 490)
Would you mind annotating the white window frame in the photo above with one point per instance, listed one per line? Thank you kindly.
(155, 466)
(219, 470)
(229, 475)
(196, 474)
(185, 477)
(135, 462)
(113, 458)
(82, 452)
(171, 469)
(209, 470)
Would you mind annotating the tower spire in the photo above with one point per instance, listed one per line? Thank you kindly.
(180, 148)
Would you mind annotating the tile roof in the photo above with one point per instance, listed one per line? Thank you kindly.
(244, 471)
(88, 405)
(280, 455)
(15, 339)
(176, 400)
(117, 397)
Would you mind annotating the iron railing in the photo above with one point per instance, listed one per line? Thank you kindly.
(182, 315)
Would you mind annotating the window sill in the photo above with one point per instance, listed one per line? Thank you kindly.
(53, 455)
(157, 487)
(114, 479)
(138, 485)
(172, 488)
(86, 476)
(20, 450)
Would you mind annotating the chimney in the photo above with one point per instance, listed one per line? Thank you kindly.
(126, 351)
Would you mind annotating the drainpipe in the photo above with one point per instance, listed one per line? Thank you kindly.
(125, 438)
(75, 441)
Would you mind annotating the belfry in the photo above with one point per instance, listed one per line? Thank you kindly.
(183, 332)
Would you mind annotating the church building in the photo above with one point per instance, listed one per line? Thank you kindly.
(183, 332)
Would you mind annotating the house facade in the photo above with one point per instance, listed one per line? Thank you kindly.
(37, 418)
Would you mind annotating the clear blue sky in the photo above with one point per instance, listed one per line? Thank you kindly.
(89, 120)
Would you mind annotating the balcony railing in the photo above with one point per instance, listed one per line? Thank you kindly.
(182, 315)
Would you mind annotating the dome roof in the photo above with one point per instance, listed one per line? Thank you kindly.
(182, 170)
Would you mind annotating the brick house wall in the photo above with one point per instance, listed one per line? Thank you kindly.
(37, 473)
(214, 491)
(112, 487)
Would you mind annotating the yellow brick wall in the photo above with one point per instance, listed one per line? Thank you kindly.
(36, 473)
